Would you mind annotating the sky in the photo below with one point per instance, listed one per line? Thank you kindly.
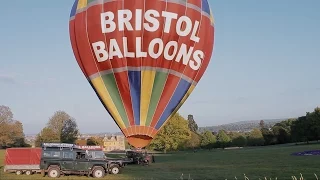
(265, 65)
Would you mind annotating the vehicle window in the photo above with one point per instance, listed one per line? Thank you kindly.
(46, 154)
(68, 155)
(51, 154)
(81, 155)
(99, 155)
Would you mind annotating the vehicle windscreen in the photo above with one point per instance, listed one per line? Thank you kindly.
(97, 154)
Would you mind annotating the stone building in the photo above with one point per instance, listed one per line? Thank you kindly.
(114, 143)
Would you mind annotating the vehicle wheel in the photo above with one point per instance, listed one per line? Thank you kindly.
(28, 172)
(18, 172)
(114, 169)
(54, 172)
(98, 172)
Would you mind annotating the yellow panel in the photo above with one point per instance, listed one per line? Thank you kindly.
(185, 97)
(105, 96)
(211, 17)
(82, 4)
(147, 80)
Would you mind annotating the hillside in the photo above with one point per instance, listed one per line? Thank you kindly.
(242, 126)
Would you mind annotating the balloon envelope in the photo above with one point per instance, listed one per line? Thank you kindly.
(143, 58)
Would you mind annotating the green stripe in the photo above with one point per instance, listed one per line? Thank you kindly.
(89, 1)
(112, 88)
(159, 82)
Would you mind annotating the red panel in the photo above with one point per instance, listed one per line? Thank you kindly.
(74, 46)
(172, 35)
(124, 90)
(23, 156)
(84, 48)
(186, 40)
(169, 88)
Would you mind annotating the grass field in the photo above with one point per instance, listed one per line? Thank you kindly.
(255, 163)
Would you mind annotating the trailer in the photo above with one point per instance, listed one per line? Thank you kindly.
(23, 160)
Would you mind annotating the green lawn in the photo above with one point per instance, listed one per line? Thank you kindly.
(256, 163)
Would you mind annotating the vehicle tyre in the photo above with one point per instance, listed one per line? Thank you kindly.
(54, 172)
(114, 169)
(28, 172)
(18, 172)
(98, 172)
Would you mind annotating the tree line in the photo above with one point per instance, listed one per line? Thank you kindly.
(181, 134)
(177, 134)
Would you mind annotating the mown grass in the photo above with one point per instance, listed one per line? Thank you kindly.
(256, 163)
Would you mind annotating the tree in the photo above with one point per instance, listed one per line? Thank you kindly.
(57, 121)
(69, 132)
(299, 130)
(174, 132)
(194, 141)
(238, 139)
(208, 140)
(255, 138)
(268, 136)
(223, 139)
(192, 124)
(282, 131)
(313, 119)
(46, 135)
(95, 141)
(11, 131)
(262, 124)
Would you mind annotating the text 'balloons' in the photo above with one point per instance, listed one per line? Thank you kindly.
(143, 58)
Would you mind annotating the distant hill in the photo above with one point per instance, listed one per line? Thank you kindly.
(242, 126)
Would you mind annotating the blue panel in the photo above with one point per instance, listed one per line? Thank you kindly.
(74, 8)
(179, 93)
(205, 6)
(135, 90)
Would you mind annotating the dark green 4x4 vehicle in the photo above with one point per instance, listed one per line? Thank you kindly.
(65, 159)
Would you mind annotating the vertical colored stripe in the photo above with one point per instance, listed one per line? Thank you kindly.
(179, 93)
(124, 90)
(179, 105)
(107, 100)
(205, 6)
(146, 92)
(112, 88)
(159, 81)
(82, 4)
(74, 8)
(135, 85)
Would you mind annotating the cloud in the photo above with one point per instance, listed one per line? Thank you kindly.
(7, 79)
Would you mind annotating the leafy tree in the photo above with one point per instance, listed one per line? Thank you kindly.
(282, 131)
(238, 139)
(192, 124)
(255, 138)
(268, 136)
(172, 135)
(11, 131)
(194, 141)
(223, 139)
(95, 141)
(208, 140)
(57, 121)
(69, 132)
(313, 119)
(299, 130)
(46, 135)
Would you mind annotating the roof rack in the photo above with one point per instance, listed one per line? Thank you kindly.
(59, 145)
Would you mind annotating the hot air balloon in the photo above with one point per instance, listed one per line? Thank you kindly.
(143, 58)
